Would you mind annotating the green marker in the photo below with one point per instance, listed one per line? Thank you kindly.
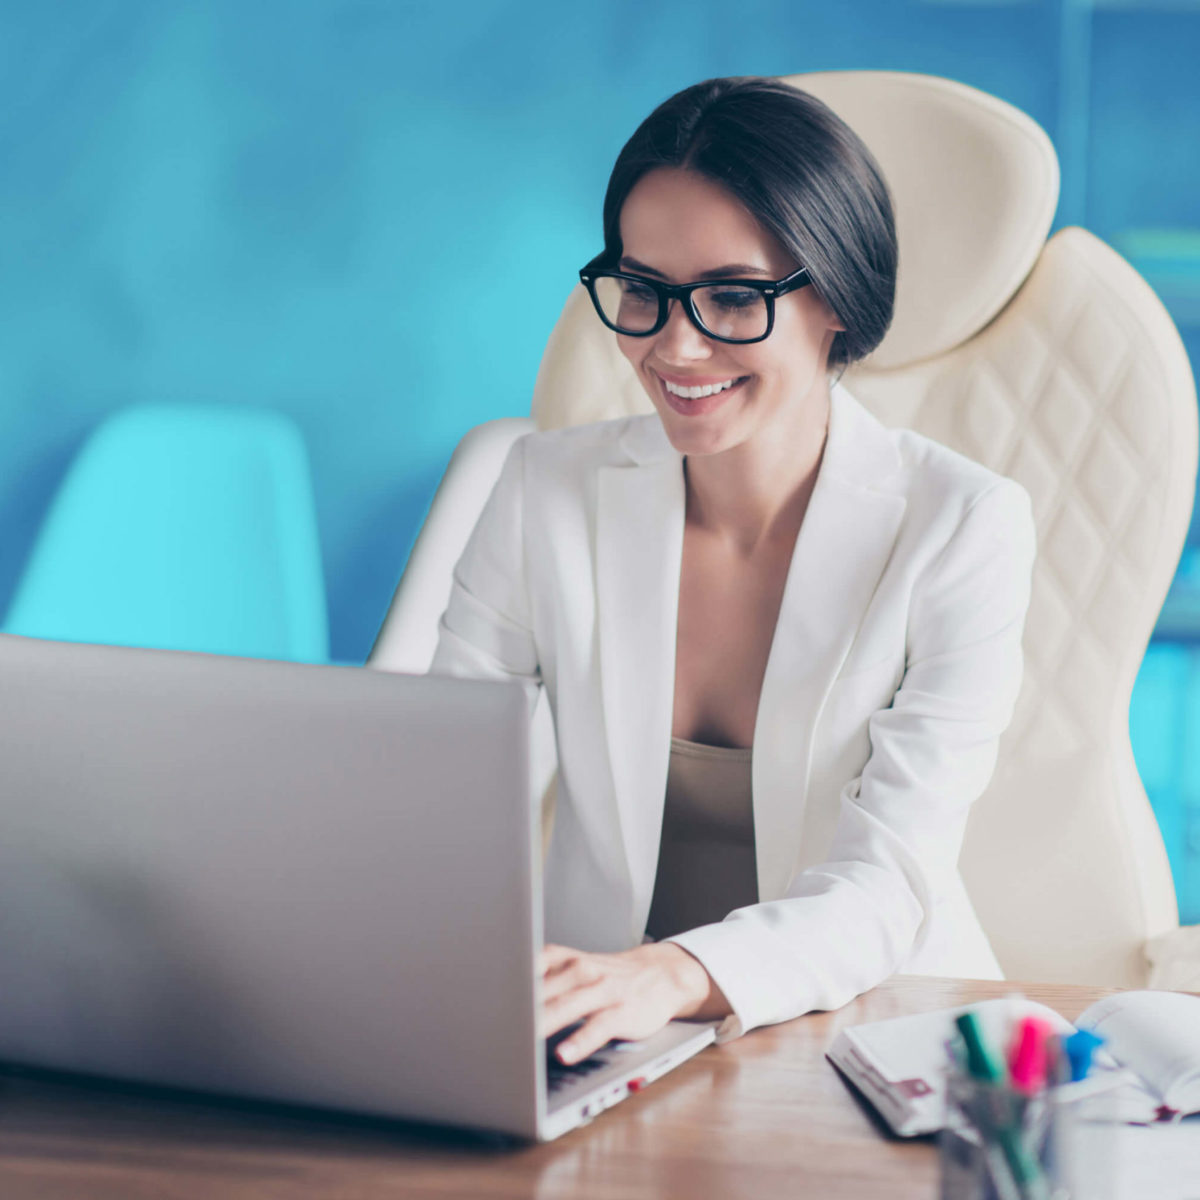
(981, 1062)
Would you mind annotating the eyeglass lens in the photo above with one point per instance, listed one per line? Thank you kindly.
(725, 310)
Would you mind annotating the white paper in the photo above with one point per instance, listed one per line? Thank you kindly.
(1143, 1162)
(1156, 1034)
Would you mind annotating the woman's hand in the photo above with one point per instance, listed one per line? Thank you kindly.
(630, 994)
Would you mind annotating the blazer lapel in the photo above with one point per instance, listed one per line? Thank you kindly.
(639, 549)
(840, 553)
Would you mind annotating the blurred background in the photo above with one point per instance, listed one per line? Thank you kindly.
(276, 258)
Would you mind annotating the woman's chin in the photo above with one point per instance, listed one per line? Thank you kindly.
(697, 438)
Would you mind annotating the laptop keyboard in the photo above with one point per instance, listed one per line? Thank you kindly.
(559, 1073)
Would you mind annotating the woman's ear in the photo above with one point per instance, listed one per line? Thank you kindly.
(830, 316)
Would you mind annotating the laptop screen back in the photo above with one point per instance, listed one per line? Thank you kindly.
(305, 883)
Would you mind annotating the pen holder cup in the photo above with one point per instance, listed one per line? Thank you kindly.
(999, 1145)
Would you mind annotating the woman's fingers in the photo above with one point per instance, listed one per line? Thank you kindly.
(575, 1004)
(553, 957)
(630, 993)
(577, 972)
(596, 1032)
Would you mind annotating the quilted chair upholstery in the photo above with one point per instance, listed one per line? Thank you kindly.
(1051, 362)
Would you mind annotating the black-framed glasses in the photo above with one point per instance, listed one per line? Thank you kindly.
(728, 310)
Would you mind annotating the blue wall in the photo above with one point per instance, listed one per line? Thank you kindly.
(368, 213)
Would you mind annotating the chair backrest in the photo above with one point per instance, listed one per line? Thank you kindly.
(183, 527)
(1053, 363)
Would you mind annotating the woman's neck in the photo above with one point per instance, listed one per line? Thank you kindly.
(757, 493)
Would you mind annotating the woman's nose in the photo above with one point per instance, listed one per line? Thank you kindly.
(679, 338)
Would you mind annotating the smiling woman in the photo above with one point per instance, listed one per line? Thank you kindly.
(780, 642)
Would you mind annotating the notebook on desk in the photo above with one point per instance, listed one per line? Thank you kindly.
(310, 884)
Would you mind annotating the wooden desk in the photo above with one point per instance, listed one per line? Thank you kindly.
(764, 1117)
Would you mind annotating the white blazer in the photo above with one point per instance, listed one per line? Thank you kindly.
(894, 668)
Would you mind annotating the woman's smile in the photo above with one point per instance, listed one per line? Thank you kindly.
(694, 395)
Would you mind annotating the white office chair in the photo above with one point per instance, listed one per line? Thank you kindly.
(1052, 362)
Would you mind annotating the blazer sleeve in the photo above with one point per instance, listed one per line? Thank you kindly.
(845, 925)
(486, 630)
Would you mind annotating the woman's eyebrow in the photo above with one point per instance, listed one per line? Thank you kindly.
(731, 270)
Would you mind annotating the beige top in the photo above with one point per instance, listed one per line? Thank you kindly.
(706, 863)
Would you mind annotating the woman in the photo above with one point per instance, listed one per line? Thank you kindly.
(780, 641)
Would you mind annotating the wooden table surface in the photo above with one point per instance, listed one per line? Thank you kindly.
(765, 1116)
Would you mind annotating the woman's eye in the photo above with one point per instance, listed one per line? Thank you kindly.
(638, 293)
(735, 299)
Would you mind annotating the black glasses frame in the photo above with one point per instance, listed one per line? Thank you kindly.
(666, 292)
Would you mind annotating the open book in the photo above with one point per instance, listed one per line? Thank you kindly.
(1151, 1056)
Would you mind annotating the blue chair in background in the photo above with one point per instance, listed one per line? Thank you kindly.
(182, 527)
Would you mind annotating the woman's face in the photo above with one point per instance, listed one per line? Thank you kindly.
(679, 227)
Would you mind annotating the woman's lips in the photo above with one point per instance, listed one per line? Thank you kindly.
(702, 404)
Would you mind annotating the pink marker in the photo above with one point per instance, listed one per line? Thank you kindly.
(1028, 1060)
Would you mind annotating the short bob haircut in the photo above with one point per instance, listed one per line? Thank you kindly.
(800, 170)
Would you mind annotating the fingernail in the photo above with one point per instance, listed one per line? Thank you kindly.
(566, 1052)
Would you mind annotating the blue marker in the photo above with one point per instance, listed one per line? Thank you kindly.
(1080, 1047)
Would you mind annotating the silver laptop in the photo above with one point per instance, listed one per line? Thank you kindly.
(311, 884)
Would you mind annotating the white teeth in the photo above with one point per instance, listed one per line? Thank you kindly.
(694, 393)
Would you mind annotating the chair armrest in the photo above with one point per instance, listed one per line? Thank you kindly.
(1174, 959)
(409, 634)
